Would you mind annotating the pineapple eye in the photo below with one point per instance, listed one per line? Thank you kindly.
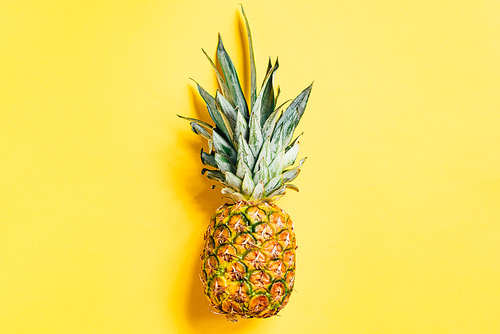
(245, 240)
(277, 268)
(236, 271)
(219, 286)
(226, 253)
(209, 244)
(255, 214)
(290, 277)
(210, 265)
(277, 220)
(237, 223)
(221, 235)
(277, 291)
(260, 279)
(258, 303)
(289, 257)
(239, 292)
(263, 232)
(272, 248)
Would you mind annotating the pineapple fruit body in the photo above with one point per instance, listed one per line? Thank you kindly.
(248, 262)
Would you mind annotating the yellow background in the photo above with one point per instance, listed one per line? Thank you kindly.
(103, 207)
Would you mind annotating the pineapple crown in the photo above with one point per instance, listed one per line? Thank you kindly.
(250, 148)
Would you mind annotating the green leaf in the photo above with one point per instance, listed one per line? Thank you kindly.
(291, 155)
(247, 185)
(227, 124)
(292, 186)
(213, 112)
(300, 103)
(294, 141)
(258, 191)
(242, 169)
(277, 143)
(227, 191)
(265, 153)
(278, 91)
(293, 113)
(245, 153)
(264, 105)
(253, 75)
(207, 126)
(290, 175)
(301, 162)
(199, 130)
(278, 192)
(274, 184)
(224, 164)
(233, 181)
(268, 101)
(208, 159)
(269, 68)
(214, 175)
(268, 128)
(226, 108)
(262, 174)
(232, 81)
(233, 194)
(220, 79)
(276, 166)
(270, 124)
(288, 129)
(241, 126)
(255, 139)
(224, 148)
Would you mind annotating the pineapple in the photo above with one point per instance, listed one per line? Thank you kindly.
(248, 262)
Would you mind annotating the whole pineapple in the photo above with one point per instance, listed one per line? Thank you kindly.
(248, 262)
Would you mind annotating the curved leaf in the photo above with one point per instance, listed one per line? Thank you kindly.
(264, 105)
(255, 139)
(220, 79)
(245, 152)
(226, 108)
(292, 115)
(273, 184)
(258, 191)
(290, 175)
(247, 185)
(214, 175)
(233, 181)
(232, 81)
(224, 164)
(291, 155)
(262, 174)
(292, 186)
(253, 75)
(224, 148)
(207, 126)
(213, 112)
(208, 159)
(241, 128)
(199, 130)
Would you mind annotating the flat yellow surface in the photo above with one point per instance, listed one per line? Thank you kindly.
(103, 207)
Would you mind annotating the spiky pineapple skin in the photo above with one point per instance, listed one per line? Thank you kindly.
(248, 262)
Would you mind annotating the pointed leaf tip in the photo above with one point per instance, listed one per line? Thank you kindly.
(253, 75)
(231, 79)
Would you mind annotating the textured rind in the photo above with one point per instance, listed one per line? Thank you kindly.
(248, 262)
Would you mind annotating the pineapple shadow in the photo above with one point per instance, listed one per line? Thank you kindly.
(206, 200)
